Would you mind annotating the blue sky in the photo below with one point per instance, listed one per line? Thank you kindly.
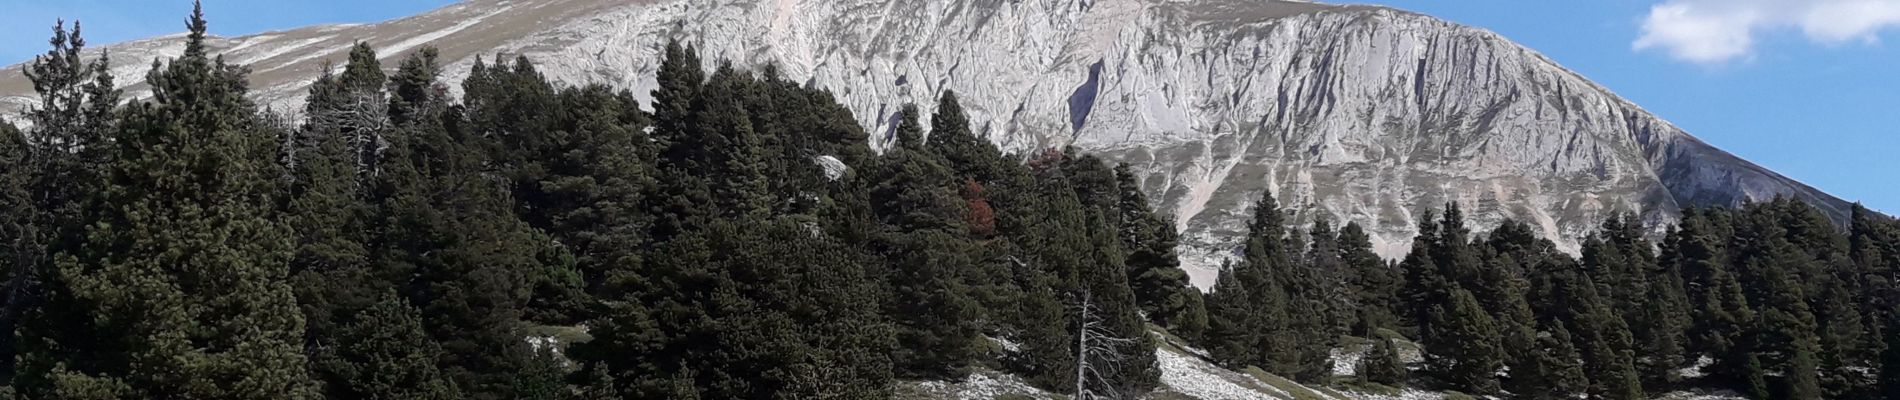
(27, 23)
(1808, 88)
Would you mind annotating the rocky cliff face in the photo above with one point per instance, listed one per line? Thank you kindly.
(1351, 113)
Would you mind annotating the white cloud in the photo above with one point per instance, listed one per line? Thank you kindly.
(1716, 31)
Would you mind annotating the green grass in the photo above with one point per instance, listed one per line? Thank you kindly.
(1291, 388)
(1356, 385)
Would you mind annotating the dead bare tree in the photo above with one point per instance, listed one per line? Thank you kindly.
(1097, 357)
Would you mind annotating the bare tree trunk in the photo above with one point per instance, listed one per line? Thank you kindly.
(1097, 358)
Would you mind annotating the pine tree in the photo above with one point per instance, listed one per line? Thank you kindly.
(680, 202)
(793, 317)
(63, 158)
(925, 242)
(1888, 378)
(1770, 267)
(192, 189)
(1600, 336)
(1553, 370)
(952, 138)
(1311, 327)
(1257, 316)
(1463, 351)
(1153, 268)
(330, 266)
(1425, 284)
(1381, 364)
(18, 233)
(1332, 277)
(450, 235)
(1374, 283)
(1134, 370)
(385, 354)
(1230, 336)
(1720, 309)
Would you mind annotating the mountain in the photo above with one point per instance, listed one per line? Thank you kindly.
(1354, 113)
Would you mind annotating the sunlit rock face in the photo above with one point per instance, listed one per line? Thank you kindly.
(1351, 113)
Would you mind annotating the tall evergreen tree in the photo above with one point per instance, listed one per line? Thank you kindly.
(1770, 267)
(1464, 349)
(192, 189)
(1374, 284)
(914, 197)
(1154, 270)
(329, 267)
(63, 159)
(1134, 369)
(384, 354)
(1381, 364)
(952, 137)
(450, 236)
(1719, 308)
(1553, 370)
(19, 241)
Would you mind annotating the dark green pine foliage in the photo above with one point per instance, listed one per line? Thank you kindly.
(1888, 378)
(734, 149)
(1719, 311)
(1134, 370)
(1464, 350)
(1649, 296)
(1565, 293)
(1771, 267)
(450, 236)
(1264, 259)
(1425, 285)
(1331, 278)
(1845, 352)
(1606, 345)
(63, 159)
(1552, 370)
(383, 353)
(19, 242)
(951, 136)
(1517, 326)
(1373, 283)
(788, 317)
(1461, 306)
(1059, 255)
(1618, 261)
(926, 247)
(184, 274)
(1312, 325)
(1381, 364)
(1874, 244)
(1230, 336)
(1154, 270)
(330, 268)
(681, 203)
(542, 377)
(1047, 358)
(580, 165)
(1247, 311)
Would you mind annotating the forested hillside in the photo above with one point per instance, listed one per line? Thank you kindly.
(741, 240)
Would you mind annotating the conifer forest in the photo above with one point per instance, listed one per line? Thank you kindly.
(743, 237)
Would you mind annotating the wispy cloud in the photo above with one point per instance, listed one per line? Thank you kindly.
(1717, 31)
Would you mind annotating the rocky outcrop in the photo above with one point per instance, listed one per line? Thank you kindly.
(1353, 113)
